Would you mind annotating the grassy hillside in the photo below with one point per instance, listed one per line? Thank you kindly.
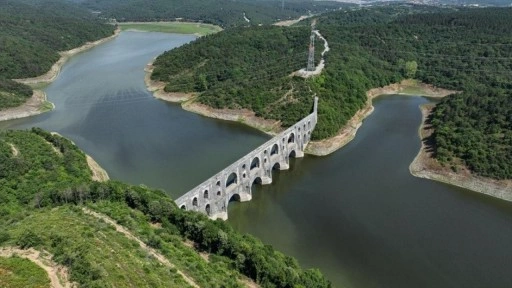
(31, 34)
(45, 186)
(463, 49)
(171, 27)
(17, 272)
(97, 255)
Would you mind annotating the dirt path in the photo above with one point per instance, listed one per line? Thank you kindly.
(58, 274)
(150, 250)
(320, 67)
(290, 22)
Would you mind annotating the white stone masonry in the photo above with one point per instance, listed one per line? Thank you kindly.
(234, 182)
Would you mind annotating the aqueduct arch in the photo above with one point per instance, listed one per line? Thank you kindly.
(234, 182)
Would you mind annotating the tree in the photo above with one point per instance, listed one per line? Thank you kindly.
(410, 69)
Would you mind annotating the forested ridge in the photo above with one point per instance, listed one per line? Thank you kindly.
(31, 34)
(225, 13)
(44, 183)
(463, 49)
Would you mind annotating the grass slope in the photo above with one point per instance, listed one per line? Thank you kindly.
(97, 254)
(17, 272)
(171, 27)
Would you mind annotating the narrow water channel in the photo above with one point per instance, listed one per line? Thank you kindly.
(357, 214)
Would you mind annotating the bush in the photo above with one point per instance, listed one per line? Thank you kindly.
(28, 239)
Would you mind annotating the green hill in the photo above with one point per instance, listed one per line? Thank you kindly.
(45, 189)
(457, 48)
(32, 33)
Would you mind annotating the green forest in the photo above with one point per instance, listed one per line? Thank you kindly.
(44, 184)
(476, 127)
(32, 33)
(225, 13)
(464, 49)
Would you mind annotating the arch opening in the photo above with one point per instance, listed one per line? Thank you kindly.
(255, 163)
(231, 180)
(276, 166)
(183, 207)
(291, 139)
(292, 154)
(219, 193)
(257, 180)
(205, 194)
(207, 209)
(275, 149)
(194, 202)
(234, 198)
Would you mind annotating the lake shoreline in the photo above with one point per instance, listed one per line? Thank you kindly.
(188, 103)
(98, 173)
(348, 132)
(37, 103)
(273, 127)
(425, 166)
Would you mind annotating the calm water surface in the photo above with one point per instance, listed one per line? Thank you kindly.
(357, 214)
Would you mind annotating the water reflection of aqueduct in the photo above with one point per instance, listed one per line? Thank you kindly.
(234, 182)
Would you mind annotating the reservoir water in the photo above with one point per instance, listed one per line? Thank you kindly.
(357, 214)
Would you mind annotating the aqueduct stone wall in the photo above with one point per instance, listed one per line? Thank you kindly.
(213, 195)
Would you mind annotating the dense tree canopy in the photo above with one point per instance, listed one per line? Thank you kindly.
(225, 13)
(31, 34)
(476, 127)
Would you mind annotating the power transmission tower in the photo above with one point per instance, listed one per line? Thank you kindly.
(311, 56)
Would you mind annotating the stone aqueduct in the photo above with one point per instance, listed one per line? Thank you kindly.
(234, 182)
